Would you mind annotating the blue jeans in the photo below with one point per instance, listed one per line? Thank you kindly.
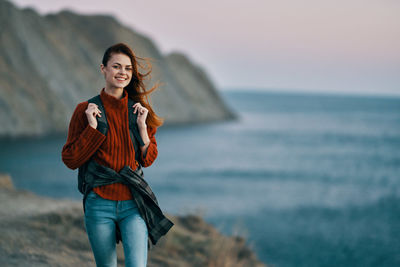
(101, 215)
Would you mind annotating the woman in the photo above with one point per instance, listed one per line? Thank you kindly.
(110, 208)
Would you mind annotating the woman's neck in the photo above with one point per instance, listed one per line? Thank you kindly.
(115, 92)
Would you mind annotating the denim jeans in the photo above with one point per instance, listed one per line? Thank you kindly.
(100, 218)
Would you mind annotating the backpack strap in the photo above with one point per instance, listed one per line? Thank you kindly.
(134, 129)
(102, 125)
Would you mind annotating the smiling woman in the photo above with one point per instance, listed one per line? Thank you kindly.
(115, 132)
(118, 75)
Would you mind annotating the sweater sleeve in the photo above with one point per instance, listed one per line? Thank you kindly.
(152, 151)
(82, 141)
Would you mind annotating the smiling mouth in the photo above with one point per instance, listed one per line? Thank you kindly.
(121, 79)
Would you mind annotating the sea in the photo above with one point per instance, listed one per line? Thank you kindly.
(309, 179)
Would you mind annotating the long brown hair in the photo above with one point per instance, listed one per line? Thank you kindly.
(136, 89)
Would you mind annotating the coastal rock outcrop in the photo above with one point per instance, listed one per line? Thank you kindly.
(50, 63)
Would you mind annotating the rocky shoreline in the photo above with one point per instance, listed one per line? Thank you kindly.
(40, 231)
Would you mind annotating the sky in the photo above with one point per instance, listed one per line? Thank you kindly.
(340, 46)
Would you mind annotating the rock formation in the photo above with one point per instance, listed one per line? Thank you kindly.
(50, 63)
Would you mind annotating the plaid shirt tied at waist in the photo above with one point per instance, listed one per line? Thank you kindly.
(98, 175)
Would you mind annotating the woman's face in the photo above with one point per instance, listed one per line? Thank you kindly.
(118, 72)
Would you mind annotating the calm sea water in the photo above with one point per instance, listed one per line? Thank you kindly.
(311, 180)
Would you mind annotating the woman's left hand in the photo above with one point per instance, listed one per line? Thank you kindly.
(142, 114)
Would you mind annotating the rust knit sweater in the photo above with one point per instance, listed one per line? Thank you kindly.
(115, 150)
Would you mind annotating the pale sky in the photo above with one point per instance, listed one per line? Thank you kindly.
(350, 46)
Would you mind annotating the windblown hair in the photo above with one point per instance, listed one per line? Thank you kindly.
(136, 89)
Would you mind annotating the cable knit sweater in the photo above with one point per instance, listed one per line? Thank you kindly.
(115, 150)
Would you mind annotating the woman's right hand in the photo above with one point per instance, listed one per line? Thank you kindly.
(91, 112)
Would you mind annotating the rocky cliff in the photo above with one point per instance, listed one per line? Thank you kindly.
(50, 63)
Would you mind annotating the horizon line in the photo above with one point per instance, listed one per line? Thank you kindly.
(293, 90)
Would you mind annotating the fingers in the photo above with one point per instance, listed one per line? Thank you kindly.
(140, 108)
(94, 110)
(142, 111)
(136, 107)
